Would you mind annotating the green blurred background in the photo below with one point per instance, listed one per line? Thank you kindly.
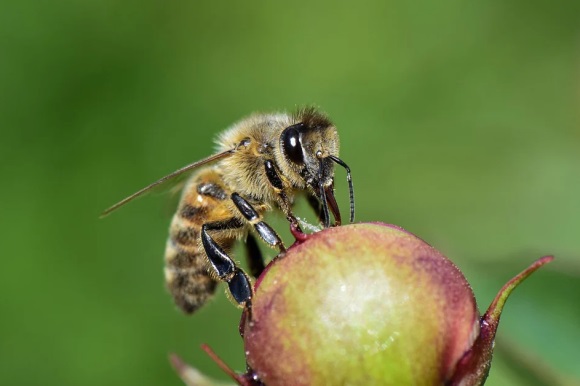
(459, 120)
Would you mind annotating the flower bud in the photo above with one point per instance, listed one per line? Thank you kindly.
(367, 304)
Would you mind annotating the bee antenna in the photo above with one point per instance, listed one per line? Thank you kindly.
(323, 196)
(349, 179)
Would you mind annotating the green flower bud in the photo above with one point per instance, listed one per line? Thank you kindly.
(367, 304)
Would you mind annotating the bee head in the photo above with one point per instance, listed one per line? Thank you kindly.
(309, 149)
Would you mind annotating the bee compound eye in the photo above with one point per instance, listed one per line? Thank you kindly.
(291, 145)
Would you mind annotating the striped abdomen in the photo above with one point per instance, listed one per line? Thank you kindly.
(204, 200)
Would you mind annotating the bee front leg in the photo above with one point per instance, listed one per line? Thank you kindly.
(316, 206)
(278, 186)
(266, 232)
(223, 265)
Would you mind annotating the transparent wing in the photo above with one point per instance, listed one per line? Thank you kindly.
(172, 176)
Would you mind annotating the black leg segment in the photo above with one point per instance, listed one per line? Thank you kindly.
(268, 234)
(276, 182)
(240, 287)
(223, 266)
(221, 263)
(316, 206)
(254, 256)
(244, 207)
(264, 230)
(232, 223)
(272, 175)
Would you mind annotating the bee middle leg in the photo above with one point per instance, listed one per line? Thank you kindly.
(223, 266)
(266, 232)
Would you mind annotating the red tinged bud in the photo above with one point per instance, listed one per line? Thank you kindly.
(367, 304)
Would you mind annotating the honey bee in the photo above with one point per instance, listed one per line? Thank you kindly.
(262, 163)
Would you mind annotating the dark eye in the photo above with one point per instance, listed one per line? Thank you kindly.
(291, 145)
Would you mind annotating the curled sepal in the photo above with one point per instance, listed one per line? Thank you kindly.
(191, 376)
(473, 368)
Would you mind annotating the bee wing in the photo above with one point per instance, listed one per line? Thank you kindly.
(171, 176)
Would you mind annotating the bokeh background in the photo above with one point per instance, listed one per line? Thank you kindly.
(459, 120)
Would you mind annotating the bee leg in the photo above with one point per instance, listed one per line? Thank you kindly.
(316, 206)
(266, 232)
(254, 256)
(223, 266)
(276, 182)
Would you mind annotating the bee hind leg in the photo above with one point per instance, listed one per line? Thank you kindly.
(254, 256)
(224, 267)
